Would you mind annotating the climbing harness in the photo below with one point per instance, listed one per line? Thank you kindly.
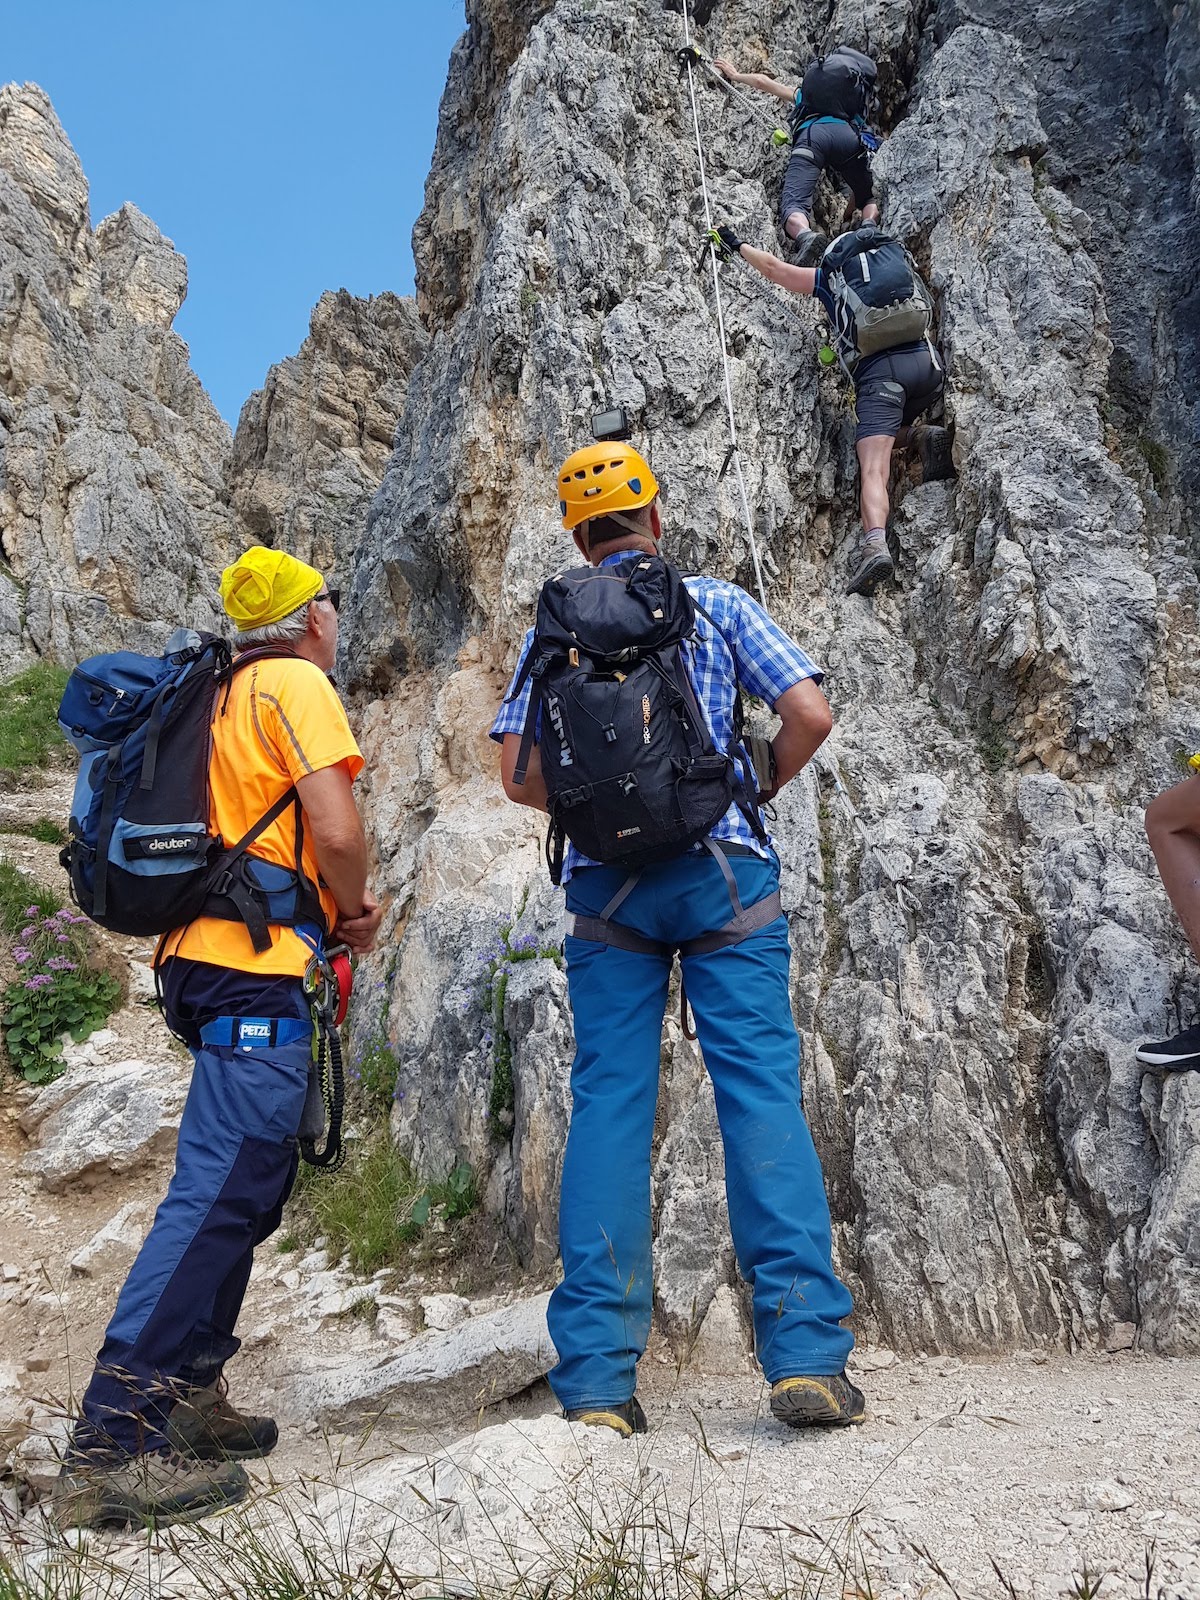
(692, 56)
(328, 980)
(716, 253)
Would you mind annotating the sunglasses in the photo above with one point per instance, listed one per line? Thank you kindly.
(334, 596)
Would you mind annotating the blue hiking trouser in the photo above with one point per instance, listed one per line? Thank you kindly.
(234, 1167)
(599, 1316)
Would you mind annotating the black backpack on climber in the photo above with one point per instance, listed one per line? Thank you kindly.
(631, 771)
(878, 298)
(839, 84)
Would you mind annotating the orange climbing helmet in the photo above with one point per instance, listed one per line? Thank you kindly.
(602, 478)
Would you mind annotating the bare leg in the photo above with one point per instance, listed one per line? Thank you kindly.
(870, 212)
(795, 224)
(1173, 829)
(874, 467)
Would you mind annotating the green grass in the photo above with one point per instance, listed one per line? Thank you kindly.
(28, 718)
(43, 829)
(18, 891)
(373, 1207)
(1158, 459)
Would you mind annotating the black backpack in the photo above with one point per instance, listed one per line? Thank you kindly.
(879, 298)
(141, 855)
(837, 85)
(630, 768)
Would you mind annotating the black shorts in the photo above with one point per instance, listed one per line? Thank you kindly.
(820, 145)
(893, 388)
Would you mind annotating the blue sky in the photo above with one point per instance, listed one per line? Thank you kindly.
(282, 144)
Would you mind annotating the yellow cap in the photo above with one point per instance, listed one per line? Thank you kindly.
(601, 478)
(264, 586)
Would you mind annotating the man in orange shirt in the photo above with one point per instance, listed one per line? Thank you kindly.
(158, 1438)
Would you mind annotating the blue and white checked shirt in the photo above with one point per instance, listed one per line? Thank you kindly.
(748, 650)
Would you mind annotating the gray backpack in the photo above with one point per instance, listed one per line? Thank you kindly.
(879, 300)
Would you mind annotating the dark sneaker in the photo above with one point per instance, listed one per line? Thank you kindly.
(808, 247)
(95, 1492)
(205, 1426)
(932, 445)
(626, 1419)
(817, 1402)
(1173, 1055)
(874, 567)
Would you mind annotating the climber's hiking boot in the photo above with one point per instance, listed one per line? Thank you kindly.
(808, 1402)
(205, 1426)
(626, 1419)
(874, 567)
(932, 445)
(131, 1491)
(808, 247)
(1173, 1055)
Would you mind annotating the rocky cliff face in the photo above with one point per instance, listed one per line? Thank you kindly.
(999, 1172)
(122, 494)
(312, 443)
(112, 509)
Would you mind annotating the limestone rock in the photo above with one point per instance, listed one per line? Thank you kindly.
(111, 1249)
(437, 1375)
(997, 1176)
(97, 1121)
(444, 1311)
(113, 523)
(312, 443)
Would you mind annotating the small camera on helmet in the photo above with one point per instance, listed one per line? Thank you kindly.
(612, 424)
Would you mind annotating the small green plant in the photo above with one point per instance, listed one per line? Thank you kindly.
(993, 743)
(1158, 460)
(28, 721)
(17, 892)
(372, 1207)
(529, 296)
(499, 958)
(373, 1074)
(57, 992)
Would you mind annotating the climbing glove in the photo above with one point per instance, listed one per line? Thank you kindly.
(730, 241)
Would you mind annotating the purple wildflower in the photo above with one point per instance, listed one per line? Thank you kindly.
(63, 916)
(61, 964)
(32, 911)
(27, 933)
(62, 938)
(38, 981)
(22, 956)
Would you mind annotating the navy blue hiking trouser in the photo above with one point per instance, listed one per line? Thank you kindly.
(599, 1315)
(234, 1168)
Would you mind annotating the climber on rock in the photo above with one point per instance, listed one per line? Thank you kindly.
(829, 133)
(1173, 829)
(158, 1439)
(880, 314)
(623, 723)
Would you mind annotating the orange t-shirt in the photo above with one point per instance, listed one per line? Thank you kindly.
(283, 720)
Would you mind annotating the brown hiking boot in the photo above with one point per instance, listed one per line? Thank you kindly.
(131, 1491)
(874, 566)
(817, 1402)
(932, 445)
(205, 1426)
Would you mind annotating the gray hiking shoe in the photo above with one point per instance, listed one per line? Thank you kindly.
(96, 1492)
(817, 1402)
(808, 247)
(205, 1426)
(874, 566)
(626, 1419)
(932, 445)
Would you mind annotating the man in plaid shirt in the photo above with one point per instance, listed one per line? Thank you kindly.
(599, 1315)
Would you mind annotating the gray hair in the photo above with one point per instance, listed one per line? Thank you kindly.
(287, 630)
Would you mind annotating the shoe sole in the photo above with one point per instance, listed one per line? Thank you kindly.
(809, 1403)
(876, 571)
(112, 1514)
(1174, 1063)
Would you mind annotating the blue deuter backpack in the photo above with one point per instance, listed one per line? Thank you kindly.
(140, 853)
